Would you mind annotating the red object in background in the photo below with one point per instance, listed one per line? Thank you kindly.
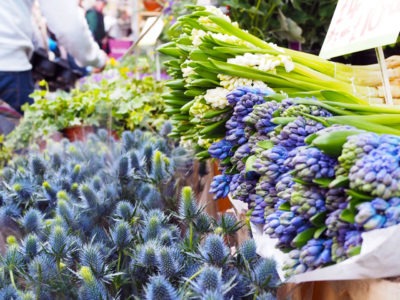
(153, 5)
(77, 133)
(118, 47)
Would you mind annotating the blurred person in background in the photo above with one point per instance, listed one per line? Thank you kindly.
(65, 18)
(95, 19)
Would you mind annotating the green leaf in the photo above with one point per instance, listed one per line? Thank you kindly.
(266, 144)
(302, 238)
(298, 180)
(347, 215)
(340, 181)
(319, 232)
(323, 182)
(359, 195)
(250, 163)
(285, 206)
(318, 219)
(354, 251)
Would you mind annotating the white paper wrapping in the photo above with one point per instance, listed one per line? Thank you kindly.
(379, 257)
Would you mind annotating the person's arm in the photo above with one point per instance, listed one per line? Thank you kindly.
(67, 21)
(91, 19)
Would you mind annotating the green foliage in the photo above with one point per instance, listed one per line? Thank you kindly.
(114, 99)
(282, 21)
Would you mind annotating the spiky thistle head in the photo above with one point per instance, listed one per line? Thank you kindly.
(266, 296)
(7, 174)
(121, 234)
(265, 275)
(42, 268)
(210, 279)
(214, 250)
(76, 173)
(148, 151)
(238, 285)
(32, 221)
(97, 183)
(89, 196)
(56, 161)
(147, 254)
(59, 241)
(12, 259)
(24, 189)
(228, 224)
(91, 256)
(248, 250)
(49, 191)
(91, 287)
(166, 129)
(135, 162)
(30, 246)
(38, 166)
(188, 208)
(123, 168)
(124, 210)
(169, 261)
(65, 210)
(158, 169)
(128, 140)
(203, 223)
(9, 293)
(160, 288)
(152, 228)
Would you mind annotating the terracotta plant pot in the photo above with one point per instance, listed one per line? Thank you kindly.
(153, 5)
(77, 133)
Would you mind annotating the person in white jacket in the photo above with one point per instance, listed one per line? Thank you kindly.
(64, 18)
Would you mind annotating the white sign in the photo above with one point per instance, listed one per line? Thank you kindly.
(361, 24)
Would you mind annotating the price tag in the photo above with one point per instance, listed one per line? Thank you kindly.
(361, 24)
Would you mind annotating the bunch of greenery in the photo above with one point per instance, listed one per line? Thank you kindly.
(283, 21)
(114, 99)
(96, 226)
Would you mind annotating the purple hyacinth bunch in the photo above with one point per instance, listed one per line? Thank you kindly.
(308, 200)
(239, 157)
(242, 186)
(284, 225)
(377, 173)
(260, 117)
(310, 163)
(316, 253)
(220, 185)
(221, 149)
(270, 163)
(336, 198)
(293, 134)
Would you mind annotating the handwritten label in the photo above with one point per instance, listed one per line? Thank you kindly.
(361, 24)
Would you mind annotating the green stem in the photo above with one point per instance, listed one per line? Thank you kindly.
(12, 279)
(119, 260)
(191, 236)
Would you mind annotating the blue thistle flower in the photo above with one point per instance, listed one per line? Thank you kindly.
(59, 241)
(147, 254)
(135, 162)
(65, 210)
(24, 189)
(92, 256)
(265, 275)
(228, 224)
(30, 246)
(266, 296)
(248, 250)
(220, 186)
(188, 209)
(221, 149)
(202, 223)
(124, 210)
(42, 269)
(210, 279)
(89, 196)
(238, 285)
(32, 221)
(92, 289)
(129, 139)
(123, 169)
(49, 191)
(38, 166)
(169, 262)
(152, 228)
(166, 129)
(56, 161)
(121, 234)
(158, 169)
(214, 250)
(9, 293)
(160, 288)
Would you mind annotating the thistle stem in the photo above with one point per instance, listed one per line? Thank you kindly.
(12, 279)
(191, 236)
